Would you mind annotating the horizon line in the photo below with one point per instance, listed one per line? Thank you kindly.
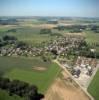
(50, 16)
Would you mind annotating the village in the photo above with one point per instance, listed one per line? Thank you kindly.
(49, 50)
(82, 68)
(60, 46)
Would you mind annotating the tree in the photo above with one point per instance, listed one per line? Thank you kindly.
(20, 88)
(8, 38)
(4, 83)
(54, 51)
(21, 45)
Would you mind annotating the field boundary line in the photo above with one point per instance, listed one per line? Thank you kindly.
(53, 79)
(84, 90)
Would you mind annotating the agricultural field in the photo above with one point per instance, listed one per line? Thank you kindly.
(63, 88)
(92, 37)
(33, 71)
(49, 50)
(27, 34)
(93, 88)
(7, 63)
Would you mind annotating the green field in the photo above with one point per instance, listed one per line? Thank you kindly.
(9, 63)
(22, 69)
(93, 88)
(27, 34)
(92, 37)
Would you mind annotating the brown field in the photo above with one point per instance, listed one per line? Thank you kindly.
(7, 26)
(75, 34)
(39, 68)
(65, 89)
(40, 25)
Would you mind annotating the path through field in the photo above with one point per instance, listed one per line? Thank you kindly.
(65, 88)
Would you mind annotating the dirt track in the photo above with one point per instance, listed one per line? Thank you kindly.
(65, 89)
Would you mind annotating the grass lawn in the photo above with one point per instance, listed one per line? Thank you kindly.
(93, 88)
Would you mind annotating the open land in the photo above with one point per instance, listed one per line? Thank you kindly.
(47, 75)
(22, 69)
(65, 88)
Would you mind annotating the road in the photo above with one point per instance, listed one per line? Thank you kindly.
(64, 68)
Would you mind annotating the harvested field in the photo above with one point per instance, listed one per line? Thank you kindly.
(59, 91)
(41, 25)
(75, 34)
(65, 90)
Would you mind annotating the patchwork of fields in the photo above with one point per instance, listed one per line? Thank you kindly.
(27, 34)
(25, 69)
(22, 69)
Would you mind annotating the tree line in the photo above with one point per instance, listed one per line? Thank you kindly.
(9, 39)
(72, 28)
(8, 21)
(20, 88)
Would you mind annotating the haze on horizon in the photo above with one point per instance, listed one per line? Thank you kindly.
(72, 8)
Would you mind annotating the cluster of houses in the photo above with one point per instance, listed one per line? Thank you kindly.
(83, 70)
(64, 44)
(84, 66)
(13, 51)
(59, 46)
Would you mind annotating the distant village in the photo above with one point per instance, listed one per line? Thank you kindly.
(70, 45)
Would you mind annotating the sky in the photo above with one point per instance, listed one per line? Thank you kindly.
(69, 8)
